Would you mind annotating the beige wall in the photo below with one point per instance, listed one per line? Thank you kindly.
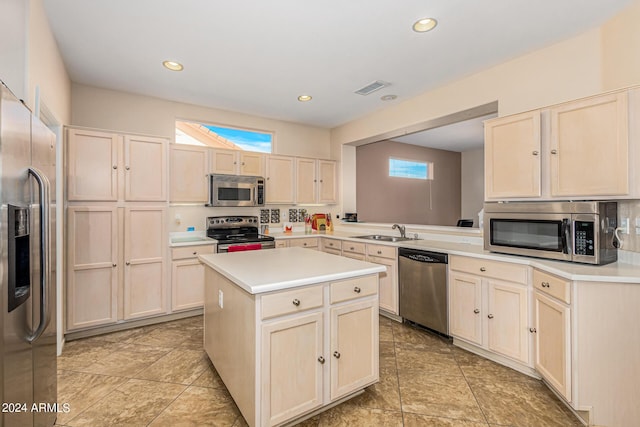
(381, 198)
(621, 48)
(127, 112)
(472, 184)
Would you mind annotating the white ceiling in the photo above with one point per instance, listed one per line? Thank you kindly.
(257, 56)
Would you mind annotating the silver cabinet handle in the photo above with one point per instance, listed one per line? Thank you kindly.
(490, 316)
(356, 290)
(554, 151)
(483, 269)
(532, 330)
(336, 354)
(476, 311)
(321, 360)
(296, 302)
(535, 153)
(45, 253)
(545, 284)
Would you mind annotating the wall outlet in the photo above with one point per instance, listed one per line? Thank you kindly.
(638, 225)
(624, 226)
(220, 298)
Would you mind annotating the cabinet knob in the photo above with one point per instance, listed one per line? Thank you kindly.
(545, 284)
(242, 163)
(535, 153)
(336, 354)
(379, 252)
(532, 330)
(483, 269)
(195, 253)
(476, 311)
(357, 290)
(296, 302)
(114, 265)
(351, 248)
(554, 151)
(490, 316)
(321, 360)
(115, 167)
(128, 263)
(127, 167)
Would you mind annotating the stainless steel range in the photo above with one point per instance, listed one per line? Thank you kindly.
(238, 233)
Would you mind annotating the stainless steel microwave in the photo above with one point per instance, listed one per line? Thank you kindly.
(580, 232)
(236, 190)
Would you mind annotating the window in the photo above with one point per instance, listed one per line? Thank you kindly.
(410, 169)
(223, 137)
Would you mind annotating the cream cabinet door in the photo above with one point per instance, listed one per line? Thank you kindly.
(251, 164)
(92, 270)
(145, 168)
(187, 284)
(354, 337)
(465, 307)
(508, 320)
(144, 255)
(188, 173)
(512, 153)
(306, 182)
(289, 389)
(280, 180)
(327, 181)
(92, 165)
(553, 343)
(224, 161)
(589, 147)
(388, 287)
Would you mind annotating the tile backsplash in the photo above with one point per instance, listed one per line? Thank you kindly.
(630, 209)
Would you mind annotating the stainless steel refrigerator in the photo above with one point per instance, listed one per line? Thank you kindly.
(27, 251)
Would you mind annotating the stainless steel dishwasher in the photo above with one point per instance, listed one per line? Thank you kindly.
(423, 288)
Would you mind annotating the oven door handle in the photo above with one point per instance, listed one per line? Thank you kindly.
(566, 236)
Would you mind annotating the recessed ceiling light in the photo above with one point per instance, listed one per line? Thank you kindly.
(425, 24)
(172, 65)
(388, 97)
(304, 98)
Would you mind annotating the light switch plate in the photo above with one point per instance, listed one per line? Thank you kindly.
(220, 298)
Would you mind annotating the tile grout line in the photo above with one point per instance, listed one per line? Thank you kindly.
(471, 389)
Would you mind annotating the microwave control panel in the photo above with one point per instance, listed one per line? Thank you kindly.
(584, 238)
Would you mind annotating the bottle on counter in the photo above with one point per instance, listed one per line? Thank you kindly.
(329, 223)
(307, 224)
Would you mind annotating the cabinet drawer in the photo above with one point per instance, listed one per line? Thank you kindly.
(552, 285)
(293, 301)
(185, 252)
(355, 247)
(382, 251)
(331, 244)
(496, 269)
(281, 243)
(306, 242)
(353, 288)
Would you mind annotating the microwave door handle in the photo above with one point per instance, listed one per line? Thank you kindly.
(566, 236)
(255, 195)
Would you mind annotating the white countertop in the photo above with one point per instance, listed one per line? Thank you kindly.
(277, 269)
(618, 272)
(190, 238)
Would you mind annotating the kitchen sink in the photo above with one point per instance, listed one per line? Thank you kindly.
(383, 238)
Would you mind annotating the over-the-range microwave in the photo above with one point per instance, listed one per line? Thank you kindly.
(581, 232)
(235, 190)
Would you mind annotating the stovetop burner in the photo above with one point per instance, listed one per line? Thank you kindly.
(235, 229)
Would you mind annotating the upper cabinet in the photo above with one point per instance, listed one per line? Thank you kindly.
(104, 166)
(236, 162)
(578, 149)
(188, 173)
(280, 180)
(315, 181)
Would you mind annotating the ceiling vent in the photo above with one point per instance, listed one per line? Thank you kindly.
(372, 87)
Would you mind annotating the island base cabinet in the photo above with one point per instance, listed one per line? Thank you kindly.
(292, 360)
(353, 335)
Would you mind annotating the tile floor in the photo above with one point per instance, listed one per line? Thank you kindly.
(160, 376)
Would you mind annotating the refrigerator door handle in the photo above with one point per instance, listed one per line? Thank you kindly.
(45, 254)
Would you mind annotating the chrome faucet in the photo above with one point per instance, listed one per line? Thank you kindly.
(401, 228)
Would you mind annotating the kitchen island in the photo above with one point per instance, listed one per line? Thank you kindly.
(291, 331)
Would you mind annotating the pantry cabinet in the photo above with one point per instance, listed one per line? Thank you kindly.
(489, 306)
(579, 149)
(188, 173)
(92, 267)
(237, 162)
(104, 166)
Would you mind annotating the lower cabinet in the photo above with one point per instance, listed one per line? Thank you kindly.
(387, 256)
(488, 312)
(313, 345)
(116, 264)
(187, 276)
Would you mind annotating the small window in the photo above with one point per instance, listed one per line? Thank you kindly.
(410, 169)
(223, 137)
